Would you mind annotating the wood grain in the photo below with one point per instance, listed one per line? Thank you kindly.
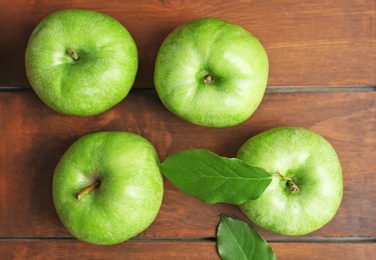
(33, 138)
(309, 43)
(71, 249)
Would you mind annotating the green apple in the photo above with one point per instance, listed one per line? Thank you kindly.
(107, 187)
(307, 187)
(81, 62)
(211, 72)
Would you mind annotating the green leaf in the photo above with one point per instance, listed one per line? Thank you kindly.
(236, 239)
(211, 178)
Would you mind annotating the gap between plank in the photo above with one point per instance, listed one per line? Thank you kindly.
(269, 89)
(318, 89)
(213, 239)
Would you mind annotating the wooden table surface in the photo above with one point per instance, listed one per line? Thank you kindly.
(322, 76)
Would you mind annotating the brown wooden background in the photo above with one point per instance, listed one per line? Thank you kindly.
(322, 76)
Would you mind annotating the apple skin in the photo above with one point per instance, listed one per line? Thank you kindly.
(101, 77)
(312, 164)
(130, 189)
(235, 60)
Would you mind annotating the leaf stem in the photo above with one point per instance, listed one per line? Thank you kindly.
(87, 189)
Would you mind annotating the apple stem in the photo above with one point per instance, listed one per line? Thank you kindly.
(74, 55)
(208, 79)
(290, 183)
(293, 187)
(87, 189)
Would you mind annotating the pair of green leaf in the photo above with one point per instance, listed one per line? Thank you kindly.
(211, 178)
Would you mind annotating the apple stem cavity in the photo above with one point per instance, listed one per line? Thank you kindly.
(289, 182)
(74, 55)
(87, 189)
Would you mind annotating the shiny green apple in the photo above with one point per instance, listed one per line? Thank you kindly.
(81, 62)
(307, 186)
(107, 187)
(211, 72)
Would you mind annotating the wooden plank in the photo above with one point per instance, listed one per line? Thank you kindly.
(309, 43)
(72, 249)
(324, 251)
(33, 138)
